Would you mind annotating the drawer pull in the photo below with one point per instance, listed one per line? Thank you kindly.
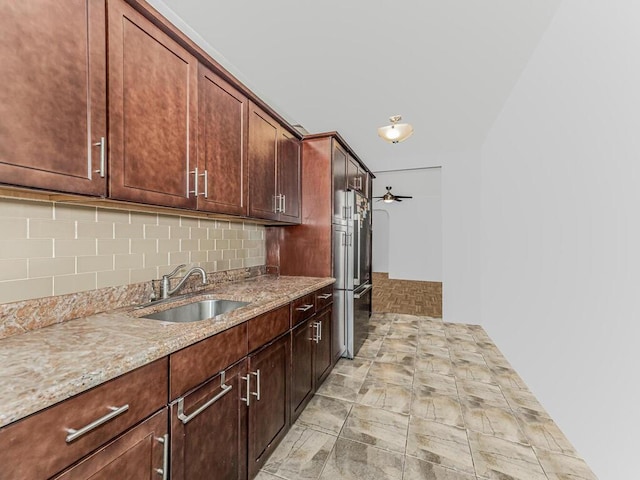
(75, 434)
(164, 471)
(187, 418)
(304, 308)
(325, 296)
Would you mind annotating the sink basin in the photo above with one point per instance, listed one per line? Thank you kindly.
(193, 312)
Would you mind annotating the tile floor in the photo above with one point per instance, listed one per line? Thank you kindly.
(424, 400)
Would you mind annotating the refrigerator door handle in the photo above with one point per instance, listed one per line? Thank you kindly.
(363, 291)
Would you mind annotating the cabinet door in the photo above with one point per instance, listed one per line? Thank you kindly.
(353, 174)
(262, 159)
(302, 371)
(268, 400)
(152, 112)
(53, 97)
(289, 177)
(339, 167)
(137, 454)
(222, 127)
(322, 352)
(213, 440)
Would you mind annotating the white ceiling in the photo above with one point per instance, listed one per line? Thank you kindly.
(446, 66)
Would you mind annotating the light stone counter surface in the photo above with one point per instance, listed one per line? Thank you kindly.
(46, 366)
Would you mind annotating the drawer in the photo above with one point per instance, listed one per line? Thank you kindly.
(268, 326)
(302, 308)
(324, 297)
(39, 446)
(193, 365)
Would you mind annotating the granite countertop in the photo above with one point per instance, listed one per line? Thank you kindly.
(46, 366)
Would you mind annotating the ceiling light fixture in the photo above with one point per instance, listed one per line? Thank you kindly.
(396, 132)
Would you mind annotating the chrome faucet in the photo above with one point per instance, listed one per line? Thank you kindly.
(166, 291)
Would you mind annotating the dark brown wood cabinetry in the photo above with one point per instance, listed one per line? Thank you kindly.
(268, 399)
(209, 431)
(53, 97)
(274, 169)
(141, 453)
(302, 372)
(62, 438)
(322, 351)
(222, 153)
(152, 112)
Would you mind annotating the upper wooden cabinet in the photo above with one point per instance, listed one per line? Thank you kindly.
(53, 95)
(357, 177)
(274, 169)
(222, 140)
(152, 112)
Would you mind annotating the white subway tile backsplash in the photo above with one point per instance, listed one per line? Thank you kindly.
(156, 231)
(111, 246)
(42, 247)
(13, 269)
(13, 290)
(75, 247)
(74, 212)
(13, 228)
(112, 278)
(25, 209)
(156, 259)
(98, 263)
(95, 230)
(49, 248)
(51, 267)
(74, 283)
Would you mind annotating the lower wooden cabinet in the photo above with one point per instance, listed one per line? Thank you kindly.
(208, 429)
(268, 399)
(302, 369)
(322, 351)
(142, 454)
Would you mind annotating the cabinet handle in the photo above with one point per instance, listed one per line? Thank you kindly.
(325, 296)
(195, 183)
(75, 434)
(283, 209)
(276, 203)
(103, 154)
(257, 392)
(316, 335)
(187, 418)
(164, 471)
(305, 307)
(206, 183)
(319, 330)
(247, 399)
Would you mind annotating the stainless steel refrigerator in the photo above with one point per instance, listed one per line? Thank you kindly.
(352, 270)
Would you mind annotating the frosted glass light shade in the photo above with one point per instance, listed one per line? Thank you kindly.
(396, 132)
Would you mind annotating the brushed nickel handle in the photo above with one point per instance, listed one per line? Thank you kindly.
(187, 418)
(206, 184)
(75, 434)
(103, 154)
(316, 335)
(257, 392)
(325, 296)
(319, 330)
(164, 471)
(195, 182)
(312, 325)
(284, 204)
(275, 203)
(364, 290)
(305, 307)
(247, 399)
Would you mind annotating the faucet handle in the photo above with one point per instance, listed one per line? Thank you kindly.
(177, 269)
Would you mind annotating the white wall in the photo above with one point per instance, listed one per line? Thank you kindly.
(380, 253)
(561, 230)
(415, 233)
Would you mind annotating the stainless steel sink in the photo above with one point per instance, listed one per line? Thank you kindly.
(193, 312)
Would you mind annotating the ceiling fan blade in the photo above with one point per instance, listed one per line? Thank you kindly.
(377, 197)
(402, 196)
(397, 199)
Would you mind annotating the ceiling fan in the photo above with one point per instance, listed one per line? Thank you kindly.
(390, 197)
